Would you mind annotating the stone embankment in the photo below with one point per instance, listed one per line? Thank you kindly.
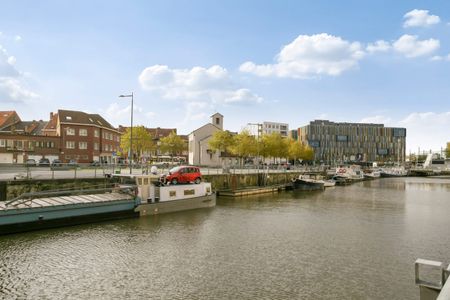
(220, 182)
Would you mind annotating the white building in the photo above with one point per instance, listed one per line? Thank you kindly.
(199, 152)
(273, 127)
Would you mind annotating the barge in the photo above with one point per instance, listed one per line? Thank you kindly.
(134, 196)
(42, 210)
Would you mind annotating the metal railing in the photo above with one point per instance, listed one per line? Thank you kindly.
(429, 289)
(74, 171)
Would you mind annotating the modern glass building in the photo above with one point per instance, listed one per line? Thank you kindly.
(354, 142)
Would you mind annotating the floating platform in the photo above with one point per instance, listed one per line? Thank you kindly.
(254, 191)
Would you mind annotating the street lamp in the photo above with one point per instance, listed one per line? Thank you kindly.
(131, 131)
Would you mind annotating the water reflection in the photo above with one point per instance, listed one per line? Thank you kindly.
(349, 242)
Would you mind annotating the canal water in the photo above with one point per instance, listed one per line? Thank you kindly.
(352, 242)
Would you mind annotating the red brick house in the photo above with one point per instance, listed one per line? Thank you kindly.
(84, 137)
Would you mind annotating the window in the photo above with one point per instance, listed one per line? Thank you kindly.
(69, 118)
(341, 138)
(2, 143)
(217, 121)
(83, 132)
(18, 145)
(70, 131)
(70, 145)
(96, 146)
(96, 133)
(82, 145)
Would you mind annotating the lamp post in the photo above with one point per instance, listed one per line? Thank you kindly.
(131, 131)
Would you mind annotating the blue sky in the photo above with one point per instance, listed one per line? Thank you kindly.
(253, 61)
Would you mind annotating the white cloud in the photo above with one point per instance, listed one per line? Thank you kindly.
(13, 90)
(12, 81)
(11, 60)
(120, 113)
(378, 46)
(309, 56)
(437, 58)
(212, 84)
(378, 119)
(427, 130)
(419, 18)
(410, 46)
(17, 38)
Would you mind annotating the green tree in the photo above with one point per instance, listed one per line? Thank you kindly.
(221, 141)
(447, 151)
(172, 144)
(244, 145)
(142, 141)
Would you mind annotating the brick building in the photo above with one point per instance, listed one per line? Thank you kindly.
(22, 140)
(68, 135)
(83, 137)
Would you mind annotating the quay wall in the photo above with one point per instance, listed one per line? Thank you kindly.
(220, 182)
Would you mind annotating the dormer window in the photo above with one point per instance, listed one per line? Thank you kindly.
(69, 118)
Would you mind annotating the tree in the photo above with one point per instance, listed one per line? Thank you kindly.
(273, 145)
(244, 145)
(308, 153)
(447, 151)
(172, 144)
(142, 141)
(221, 141)
(295, 150)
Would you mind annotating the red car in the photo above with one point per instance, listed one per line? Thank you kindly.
(183, 174)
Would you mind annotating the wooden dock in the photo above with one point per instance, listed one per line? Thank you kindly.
(254, 190)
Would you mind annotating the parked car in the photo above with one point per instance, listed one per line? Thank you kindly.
(56, 163)
(182, 174)
(73, 163)
(30, 162)
(95, 163)
(44, 162)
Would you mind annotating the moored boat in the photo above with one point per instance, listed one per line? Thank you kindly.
(62, 208)
(157, 198)
(306, 183)
(394, 172)
(372, 174)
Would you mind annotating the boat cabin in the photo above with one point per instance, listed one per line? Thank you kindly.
(150, 189)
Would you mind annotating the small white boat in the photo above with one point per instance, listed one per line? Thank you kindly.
(372, 175)
(329, 183)
(394, 172)
(353, 172)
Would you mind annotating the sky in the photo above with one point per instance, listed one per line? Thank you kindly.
(252, 61)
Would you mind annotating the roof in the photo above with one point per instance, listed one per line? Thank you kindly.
(82, 118)
(207, 124)
(6, 115)
(51, 125)
(27, 127)
(157, 132)
(216, 114)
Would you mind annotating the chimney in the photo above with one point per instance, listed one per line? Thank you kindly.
(51, 115)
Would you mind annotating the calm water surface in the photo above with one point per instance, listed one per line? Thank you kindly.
(354, 242)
